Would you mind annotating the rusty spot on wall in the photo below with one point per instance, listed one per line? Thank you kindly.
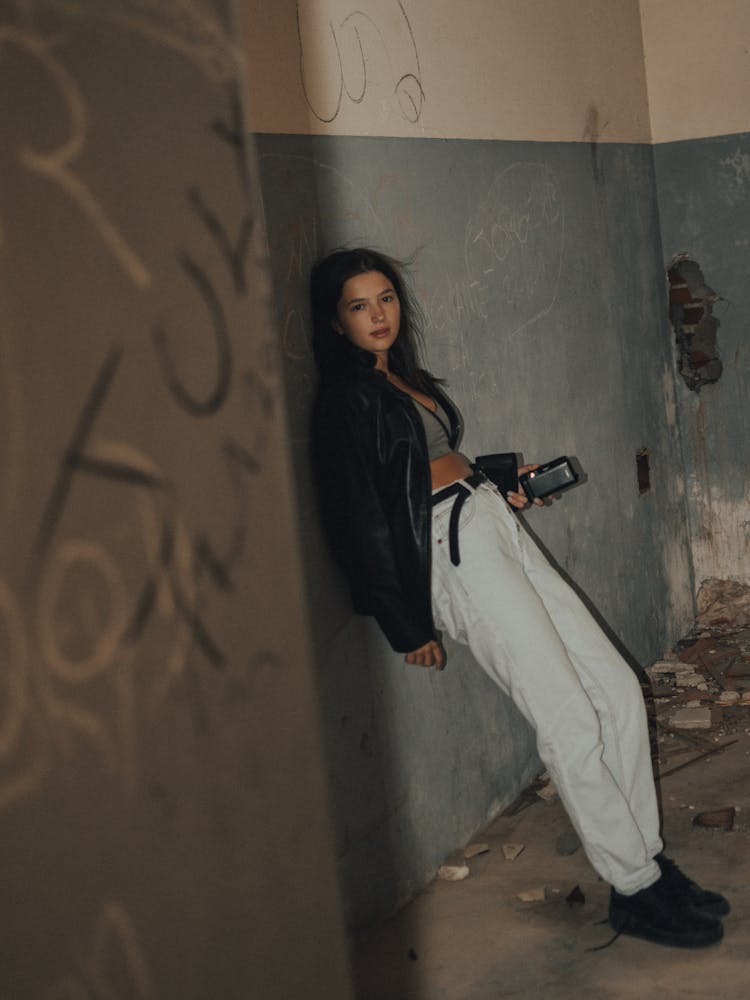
(592, 131)
(691, 304)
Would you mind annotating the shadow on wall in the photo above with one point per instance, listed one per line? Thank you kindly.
(360, 760)
(417, 760)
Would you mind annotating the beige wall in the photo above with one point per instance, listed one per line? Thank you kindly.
(484, 69)
(698, 67)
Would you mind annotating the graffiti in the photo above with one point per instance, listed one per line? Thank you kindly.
(216, 398)
(114, 965)
(296, 239)
(194, 30)
(346, 67)
(12, 431)
(514, 243)
(149, 584)
(57, 166)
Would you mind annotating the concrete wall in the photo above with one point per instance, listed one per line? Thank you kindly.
(698, 57)
(513, 69)
(507, 146)
(160, 838)
(697, 61)
(503, 143)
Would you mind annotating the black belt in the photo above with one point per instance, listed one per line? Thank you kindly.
(460, 491)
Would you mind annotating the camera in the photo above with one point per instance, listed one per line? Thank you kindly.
(552, 477)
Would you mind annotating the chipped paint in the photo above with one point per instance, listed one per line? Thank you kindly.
(721, 534)
(670, 403)
(678, 574)
(734, 177)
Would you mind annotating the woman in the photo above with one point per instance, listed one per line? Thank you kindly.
(429, 544)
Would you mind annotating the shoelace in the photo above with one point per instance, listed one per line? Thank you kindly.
(601, 947)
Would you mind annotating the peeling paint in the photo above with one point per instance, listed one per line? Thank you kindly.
(734, 177)
(721, 534)
(670, 403)
(691, 304)
(677, 571)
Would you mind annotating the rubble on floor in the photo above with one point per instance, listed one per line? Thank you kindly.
(536, 926)
(512, 851)
(699, 696)
(723, 602)
(716, 819)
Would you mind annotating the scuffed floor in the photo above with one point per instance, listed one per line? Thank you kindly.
(475, 939)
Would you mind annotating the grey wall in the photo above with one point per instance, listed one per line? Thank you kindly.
(539, 268)
(704, 208)
(163, 809)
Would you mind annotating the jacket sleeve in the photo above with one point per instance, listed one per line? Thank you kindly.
(361, 521)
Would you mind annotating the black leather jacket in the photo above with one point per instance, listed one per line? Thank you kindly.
(374, 484)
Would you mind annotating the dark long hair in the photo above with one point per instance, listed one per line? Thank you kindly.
(334, 354)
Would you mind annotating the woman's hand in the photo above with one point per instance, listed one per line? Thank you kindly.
(516, 498)
(431, 654)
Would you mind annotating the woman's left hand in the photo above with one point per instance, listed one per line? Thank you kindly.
(517, 498)
(431, 654)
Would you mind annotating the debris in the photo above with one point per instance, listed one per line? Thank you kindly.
(697, 649)
(716, 819)
(661, 667)
(511, 851)
(537, 895)
(738, 668)
(453, 873)
(692, 718)
(691, 680)
(723, 602)
(547, 793)
(473, 849)
(575, 897)
(729, 697)
(675, 672)
(527, 797)
(567, 843)
(693, 760)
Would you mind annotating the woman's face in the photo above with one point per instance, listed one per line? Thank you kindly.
(369, 314)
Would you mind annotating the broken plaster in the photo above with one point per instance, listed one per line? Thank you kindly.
(695, 327)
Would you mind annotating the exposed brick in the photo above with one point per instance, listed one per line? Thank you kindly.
(692, 314)
(679, 295)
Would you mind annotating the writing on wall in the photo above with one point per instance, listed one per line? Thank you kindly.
(347, 52)
(139, 395)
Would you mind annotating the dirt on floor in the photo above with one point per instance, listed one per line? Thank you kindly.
(529, 917)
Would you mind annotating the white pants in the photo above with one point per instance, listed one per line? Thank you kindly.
(535, 638)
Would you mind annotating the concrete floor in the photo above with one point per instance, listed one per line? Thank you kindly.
(476, 940)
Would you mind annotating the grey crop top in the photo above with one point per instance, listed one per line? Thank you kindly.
(436, 428)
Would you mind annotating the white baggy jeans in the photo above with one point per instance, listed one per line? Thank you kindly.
(536, 639)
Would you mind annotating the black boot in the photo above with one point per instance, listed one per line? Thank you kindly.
(687, 891)
(655, 915)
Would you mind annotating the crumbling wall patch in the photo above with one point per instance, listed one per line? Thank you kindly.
(695, 327)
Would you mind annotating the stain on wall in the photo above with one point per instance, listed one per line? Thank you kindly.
(704, 199)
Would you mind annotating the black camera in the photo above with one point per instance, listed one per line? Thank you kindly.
(552, 477)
